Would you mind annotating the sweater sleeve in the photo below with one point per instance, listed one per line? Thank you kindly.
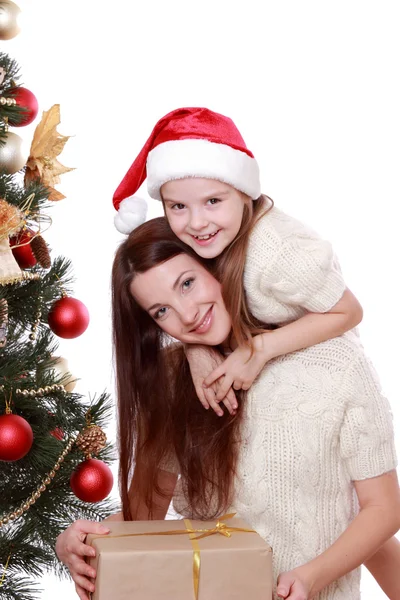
(367, 437)
(304, 273)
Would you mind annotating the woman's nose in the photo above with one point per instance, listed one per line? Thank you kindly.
(189, 315)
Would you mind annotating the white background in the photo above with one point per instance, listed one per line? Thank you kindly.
(313, 87)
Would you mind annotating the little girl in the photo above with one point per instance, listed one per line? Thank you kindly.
(197, 163)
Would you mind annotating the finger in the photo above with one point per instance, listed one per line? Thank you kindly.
(81, 567)
(83, 582)
(86, 527)
(229, 401)
(237, 385)
(212, 377)
(78, 549)
(224, 386)
(85, 550)
(231, 410)
(232, 398)
(210, 395)
(214, 404)
(81, 592)
(202, 397)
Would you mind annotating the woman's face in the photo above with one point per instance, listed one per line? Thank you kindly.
(185, 300)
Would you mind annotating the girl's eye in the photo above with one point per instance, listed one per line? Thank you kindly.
(187, 283)
(213, 200)
(177, 206)
(160, 313)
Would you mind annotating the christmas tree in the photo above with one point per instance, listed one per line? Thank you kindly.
(53, 452)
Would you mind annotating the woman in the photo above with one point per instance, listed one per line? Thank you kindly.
(308, 460)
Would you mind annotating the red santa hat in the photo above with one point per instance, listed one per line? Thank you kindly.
(187, 142)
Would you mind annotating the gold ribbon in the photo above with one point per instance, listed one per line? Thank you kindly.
(220, 527)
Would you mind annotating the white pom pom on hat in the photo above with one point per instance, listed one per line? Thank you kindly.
(132, 212)
(187, 142)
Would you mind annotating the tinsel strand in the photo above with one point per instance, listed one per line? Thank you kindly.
(40, 489)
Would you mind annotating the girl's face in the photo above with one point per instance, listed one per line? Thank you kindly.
(185, 301)
(205, 214)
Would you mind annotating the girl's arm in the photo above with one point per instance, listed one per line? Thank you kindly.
(384, 566)
(242, 367)
(314, 328)
(377, 521)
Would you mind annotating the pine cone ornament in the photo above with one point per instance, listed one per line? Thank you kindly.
(41, 252)
(91, 440)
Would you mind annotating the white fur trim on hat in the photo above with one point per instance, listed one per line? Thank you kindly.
(132, 212)
(201, 158)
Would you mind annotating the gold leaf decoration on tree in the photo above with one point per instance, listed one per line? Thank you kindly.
(11, 219)
(46, 145)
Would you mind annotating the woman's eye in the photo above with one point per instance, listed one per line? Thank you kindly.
(160, 313)
(178, 206)
(187, 283)
(213, 200)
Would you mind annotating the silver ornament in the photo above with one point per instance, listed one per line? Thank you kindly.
(9, 26)
(13, 153)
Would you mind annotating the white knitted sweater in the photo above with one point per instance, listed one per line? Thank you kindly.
(314, 421)
(289, 270)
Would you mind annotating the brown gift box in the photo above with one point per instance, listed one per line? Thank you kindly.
(162, 566)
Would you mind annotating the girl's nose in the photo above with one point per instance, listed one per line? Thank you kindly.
(198, 220)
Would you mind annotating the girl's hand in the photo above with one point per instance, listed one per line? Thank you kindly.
(240, 368)
(71, 550)
(293, 585)
(202, 360)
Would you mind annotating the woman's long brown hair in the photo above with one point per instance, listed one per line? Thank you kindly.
(159, 414)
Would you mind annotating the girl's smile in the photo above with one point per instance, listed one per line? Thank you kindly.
(205, 214)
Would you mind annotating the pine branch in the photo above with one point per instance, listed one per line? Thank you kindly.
(16, 587)
(11, 68)
(17, 195)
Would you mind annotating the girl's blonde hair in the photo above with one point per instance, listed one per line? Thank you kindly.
(229, 269)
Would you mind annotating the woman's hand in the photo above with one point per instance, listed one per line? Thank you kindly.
(240, 368)
(293, 585)
(71, 550)
(202, 360)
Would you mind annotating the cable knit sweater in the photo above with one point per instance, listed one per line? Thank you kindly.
(289, 270)
(314, 421)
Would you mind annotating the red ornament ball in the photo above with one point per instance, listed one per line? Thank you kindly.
(68, 318)
(16, 437)
(92, 480)
(23, 253)
(25, 99)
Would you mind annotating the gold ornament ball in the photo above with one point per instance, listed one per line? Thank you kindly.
(9, 26)
(13, 154)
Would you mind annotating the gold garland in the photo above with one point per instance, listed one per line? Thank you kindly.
(40, 489)
(24, 276)
(48, 389)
